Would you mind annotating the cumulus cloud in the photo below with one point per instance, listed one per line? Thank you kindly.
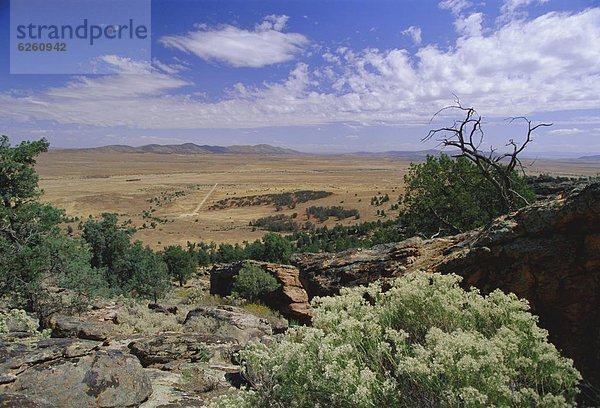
(265, 45)
(414, 32)
(545, 64)
(469, 26)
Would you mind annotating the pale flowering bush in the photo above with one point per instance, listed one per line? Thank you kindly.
(423, 342)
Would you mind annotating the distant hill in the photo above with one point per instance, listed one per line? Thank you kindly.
(591, 158)
(192, 148)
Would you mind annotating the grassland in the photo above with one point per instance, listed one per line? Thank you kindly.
(176, 192)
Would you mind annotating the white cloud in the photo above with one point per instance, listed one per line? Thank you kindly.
(413, 32)
(512, 9)
(122, 65)
(455, 6)
(566, 131)
(541, 65)
(265, 45)
(168, 68)
(469, 26)
(273, 22)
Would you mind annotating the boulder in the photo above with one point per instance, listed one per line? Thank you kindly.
(165, 349)
(73, 373)
(549, 254)
(75, 327)
(229, 322)
(291, 299)
(16, 357)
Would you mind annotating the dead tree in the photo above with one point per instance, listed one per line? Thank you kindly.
(499, 169)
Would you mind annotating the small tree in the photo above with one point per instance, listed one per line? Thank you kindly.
(109, 243)
(252, 282)
(148, 276)
(276, 248)
(498, 168)
(181, 264)
(34, 254)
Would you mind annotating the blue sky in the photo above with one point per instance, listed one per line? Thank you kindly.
(326, 76)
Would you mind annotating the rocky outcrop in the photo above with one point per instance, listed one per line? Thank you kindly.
(325, 273)
(291, 299)
(73, 373)
(9, 400)
(165, 351)
(231, 322)
(548, 253)
(75, 327)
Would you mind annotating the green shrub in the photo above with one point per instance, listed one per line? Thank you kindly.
(423, 342)
(129, 268)
(180, 263)
(252, 282)
(276, 223)
(449, 196)
(323, 213)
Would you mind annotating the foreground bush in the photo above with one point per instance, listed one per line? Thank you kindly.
(423, 342)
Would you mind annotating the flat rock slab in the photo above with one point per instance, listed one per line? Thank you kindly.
(164, 349)
(71, 326)
(98, 379)
(8, 400)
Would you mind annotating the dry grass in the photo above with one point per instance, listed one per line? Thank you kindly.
(90, 183)
(136, 318)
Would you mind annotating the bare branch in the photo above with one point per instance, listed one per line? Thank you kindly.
(496, 168)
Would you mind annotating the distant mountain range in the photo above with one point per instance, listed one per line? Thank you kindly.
(265, 149)
(192, 148)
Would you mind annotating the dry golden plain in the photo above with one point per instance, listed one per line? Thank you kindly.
(92, 182)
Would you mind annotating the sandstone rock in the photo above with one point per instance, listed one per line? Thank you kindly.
(71, 326)
(291, 299)
(73, 373)
(9, 400)
(547, 255)
(100, 379)
(164, 349)
(16, 357)
(324, 274)
(7, 378)
(176, 390)
(227, 322)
